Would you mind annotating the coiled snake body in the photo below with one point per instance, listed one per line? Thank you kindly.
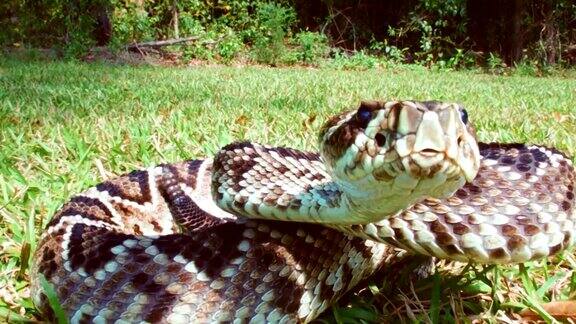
(262, 234)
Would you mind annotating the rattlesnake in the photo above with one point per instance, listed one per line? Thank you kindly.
(265, 234)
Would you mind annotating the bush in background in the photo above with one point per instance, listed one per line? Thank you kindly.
(274, 22)
(311, 46)
(434, 33)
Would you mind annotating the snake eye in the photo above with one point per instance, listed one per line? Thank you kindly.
(464, 116)
(363, 116)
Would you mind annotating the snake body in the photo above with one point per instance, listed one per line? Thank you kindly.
(210, 241)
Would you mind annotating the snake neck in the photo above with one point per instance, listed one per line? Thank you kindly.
(265, 182)
(285, 184)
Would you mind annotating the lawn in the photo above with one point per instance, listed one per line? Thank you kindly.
(67, 126)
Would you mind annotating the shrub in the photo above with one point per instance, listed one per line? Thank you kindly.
(357, 61)
(311, 46)
(132, 24)
(434, 29)
(389, 52)
(229, 47)
(495, 64)
(274, 22)
(460, 59)
(190, 25)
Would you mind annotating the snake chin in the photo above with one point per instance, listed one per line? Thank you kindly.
(366, 204)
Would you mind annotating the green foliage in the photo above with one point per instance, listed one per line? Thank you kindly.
(274, 22)
(133, 24)
(495, 64)
(548, 28)
(190, 25)
(224, 29)
(311, 46)
(432, 33)
(357, 61)
(533, 68)
(435, 29)
(67, 25)
(390, 52)
(458, 60)
(229, 47)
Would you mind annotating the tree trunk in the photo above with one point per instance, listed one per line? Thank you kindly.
(516, 42)
(103, 29)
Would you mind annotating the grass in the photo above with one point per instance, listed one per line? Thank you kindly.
(66, 126)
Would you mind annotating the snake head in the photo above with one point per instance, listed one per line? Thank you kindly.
(402, 151)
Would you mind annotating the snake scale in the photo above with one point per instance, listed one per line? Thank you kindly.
(265, 234)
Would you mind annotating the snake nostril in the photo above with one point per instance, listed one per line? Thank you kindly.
(460, 139)
(380, 139)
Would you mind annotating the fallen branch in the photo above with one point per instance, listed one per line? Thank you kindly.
(158, 44)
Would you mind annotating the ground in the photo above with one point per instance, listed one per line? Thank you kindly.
(67, 126)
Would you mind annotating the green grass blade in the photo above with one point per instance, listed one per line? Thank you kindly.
(435, 299)
(53, 301)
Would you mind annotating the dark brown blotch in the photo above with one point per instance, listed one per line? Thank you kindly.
(335, 146)
(399, 234)
(473, 189)
(47, 264)
(171, 245)
(452, 249)
(445, 239)
(437, 227)
(507, 160)
(132, 186)
(516, 242)
(141, 258)
(509, 230)
(525, 158)
(498, 254)
(160, 307)
(394, 116)
(531, 230)
(460, 228)
(187, 214)
(294, 293)
(556, 248)
(539, 155)
(567, 238)
(523, 167)
(136, 229)
(89, 208)
(461, 193)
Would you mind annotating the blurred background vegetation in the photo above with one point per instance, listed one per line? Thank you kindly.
(492, 34)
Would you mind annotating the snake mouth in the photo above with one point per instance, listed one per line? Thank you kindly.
(429, 152)
(427, 159)
(428, 163)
